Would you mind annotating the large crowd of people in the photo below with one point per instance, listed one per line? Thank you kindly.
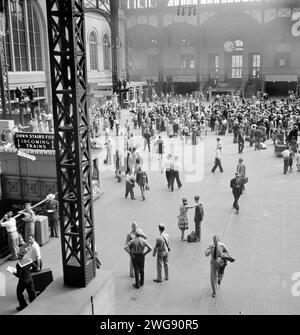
(261, 122)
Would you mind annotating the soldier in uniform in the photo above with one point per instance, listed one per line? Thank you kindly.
(23, 272)
(51, 209)
(162, 250)
(136, 248)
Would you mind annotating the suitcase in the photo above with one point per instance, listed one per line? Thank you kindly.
(41, 229)
(42, 280)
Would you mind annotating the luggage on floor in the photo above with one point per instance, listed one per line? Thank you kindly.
(42, 280)
(41, 229)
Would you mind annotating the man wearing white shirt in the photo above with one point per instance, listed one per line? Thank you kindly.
(217, 162)
(10, 224)
(34, 252)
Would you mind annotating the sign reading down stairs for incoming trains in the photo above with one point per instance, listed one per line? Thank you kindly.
(296, 26)
(34, 141)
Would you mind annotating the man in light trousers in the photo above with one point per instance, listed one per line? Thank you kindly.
(162, 250)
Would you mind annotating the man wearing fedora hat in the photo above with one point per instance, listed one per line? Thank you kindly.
(51, 209)
(237, 187)
(162, 250)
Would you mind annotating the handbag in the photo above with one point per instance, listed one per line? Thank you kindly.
(245, 180)
(147, 187)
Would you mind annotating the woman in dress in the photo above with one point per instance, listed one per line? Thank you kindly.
(183, 222)
(160, 147)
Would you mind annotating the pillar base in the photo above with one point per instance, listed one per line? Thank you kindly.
(59, 299)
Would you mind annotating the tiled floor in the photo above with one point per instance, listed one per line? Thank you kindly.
(264, 239)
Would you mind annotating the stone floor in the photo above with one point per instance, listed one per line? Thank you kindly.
(264, 239)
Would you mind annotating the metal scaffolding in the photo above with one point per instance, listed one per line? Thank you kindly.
(66, 27)
(4, 83)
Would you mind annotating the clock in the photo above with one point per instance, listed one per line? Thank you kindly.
(229, 46)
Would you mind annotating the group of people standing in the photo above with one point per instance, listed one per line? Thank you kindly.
(138, 247)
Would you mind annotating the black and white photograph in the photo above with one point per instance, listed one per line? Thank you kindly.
(149, 160)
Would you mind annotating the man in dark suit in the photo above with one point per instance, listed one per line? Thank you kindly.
(241, 142)
(199, 215)
(51, 209)
(236, 184)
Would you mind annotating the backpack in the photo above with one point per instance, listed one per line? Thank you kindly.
(191, 237)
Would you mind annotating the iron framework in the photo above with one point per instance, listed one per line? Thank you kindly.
(4, 83)
(66, 28)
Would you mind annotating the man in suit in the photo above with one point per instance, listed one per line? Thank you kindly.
(241, 142)
(199, 215)
(219, 255)
(162, 250)
(236, 185)
(51, 209)
(241, 169)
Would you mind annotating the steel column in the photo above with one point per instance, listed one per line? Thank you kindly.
(114, 28)
(4, 83)
(66, 28)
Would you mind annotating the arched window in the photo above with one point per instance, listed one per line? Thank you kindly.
(34, 39)
(93, 51)
(26, 57)
(106, 52)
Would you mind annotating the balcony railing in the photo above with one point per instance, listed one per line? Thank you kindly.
(4, 249)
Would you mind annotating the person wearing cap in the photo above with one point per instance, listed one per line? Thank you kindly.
(10, 224)
(136, 249)
(162, 250)
(23, 271)
(217, 162)
(236, 186)
(198, 217)
(51, 210)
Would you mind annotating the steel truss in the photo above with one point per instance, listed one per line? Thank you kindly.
(4, 83)
(66, 28)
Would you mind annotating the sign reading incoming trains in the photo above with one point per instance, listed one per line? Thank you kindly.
(34, 141)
